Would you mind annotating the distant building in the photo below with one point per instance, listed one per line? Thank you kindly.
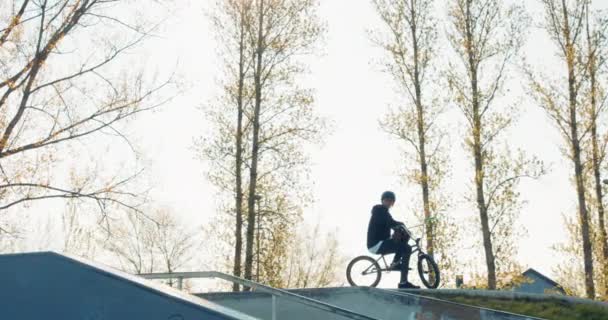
(536, 282)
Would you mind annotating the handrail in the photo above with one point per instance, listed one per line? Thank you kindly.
(262, 288)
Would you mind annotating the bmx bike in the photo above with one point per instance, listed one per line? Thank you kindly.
(365, 271)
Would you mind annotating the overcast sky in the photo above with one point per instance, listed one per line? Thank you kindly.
(358, 161)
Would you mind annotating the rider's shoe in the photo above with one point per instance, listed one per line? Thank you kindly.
(407, 285)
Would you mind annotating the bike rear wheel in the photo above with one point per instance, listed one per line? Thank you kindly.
(428, 271)
(363, 271)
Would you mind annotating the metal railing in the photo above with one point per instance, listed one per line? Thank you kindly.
(274, 292)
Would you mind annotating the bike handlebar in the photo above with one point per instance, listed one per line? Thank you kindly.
(404, 228)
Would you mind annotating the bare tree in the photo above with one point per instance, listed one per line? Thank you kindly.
(409, 39)
(486, 37)
(132, 243)
(10, 233)
(278, 218)
(284, 30)
(596, 30)
(563, 101)
(231, 21)
(158, 242)
(177, 244)
(79, 236)
(313, 259)
(570, 270)
(292, 254)
(277, 118)
(58, 88)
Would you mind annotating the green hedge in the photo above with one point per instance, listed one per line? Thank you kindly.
(552, 309)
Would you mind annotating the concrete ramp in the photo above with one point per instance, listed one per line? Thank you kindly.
(52, 286)
(370, 302)
(47, 285)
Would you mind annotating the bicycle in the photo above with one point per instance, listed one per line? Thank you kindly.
(372, 271)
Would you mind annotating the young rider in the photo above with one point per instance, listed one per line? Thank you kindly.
(379, 239)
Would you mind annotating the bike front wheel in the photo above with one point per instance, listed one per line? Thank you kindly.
(363, 271)
(428, 271)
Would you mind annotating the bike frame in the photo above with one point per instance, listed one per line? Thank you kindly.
(415, 248)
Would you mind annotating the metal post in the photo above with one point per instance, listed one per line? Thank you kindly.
(179, 282)
(274, 307)
(459, 281)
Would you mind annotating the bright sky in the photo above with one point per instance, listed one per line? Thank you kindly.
(358, 161)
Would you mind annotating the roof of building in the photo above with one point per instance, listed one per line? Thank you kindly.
(531, 271)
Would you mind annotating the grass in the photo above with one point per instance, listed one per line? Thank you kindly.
(552, 309)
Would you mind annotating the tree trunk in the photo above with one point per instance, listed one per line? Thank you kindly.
(424, 184)
(255, 145)
(596, 161)
(478, 157)
(238, 245)
(424, 179)
(576, 156)
(481, 205)
(583, 214)
(599, 195)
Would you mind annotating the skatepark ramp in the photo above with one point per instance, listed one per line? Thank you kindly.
(48, 285)
(265, 302)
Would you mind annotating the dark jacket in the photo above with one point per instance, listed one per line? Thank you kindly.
(380, 225)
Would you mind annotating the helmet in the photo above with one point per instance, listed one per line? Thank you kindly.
(388, 195)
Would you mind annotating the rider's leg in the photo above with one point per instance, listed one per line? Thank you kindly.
(402, 251)
(398, 255)
(405, 251)
(389, 246)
